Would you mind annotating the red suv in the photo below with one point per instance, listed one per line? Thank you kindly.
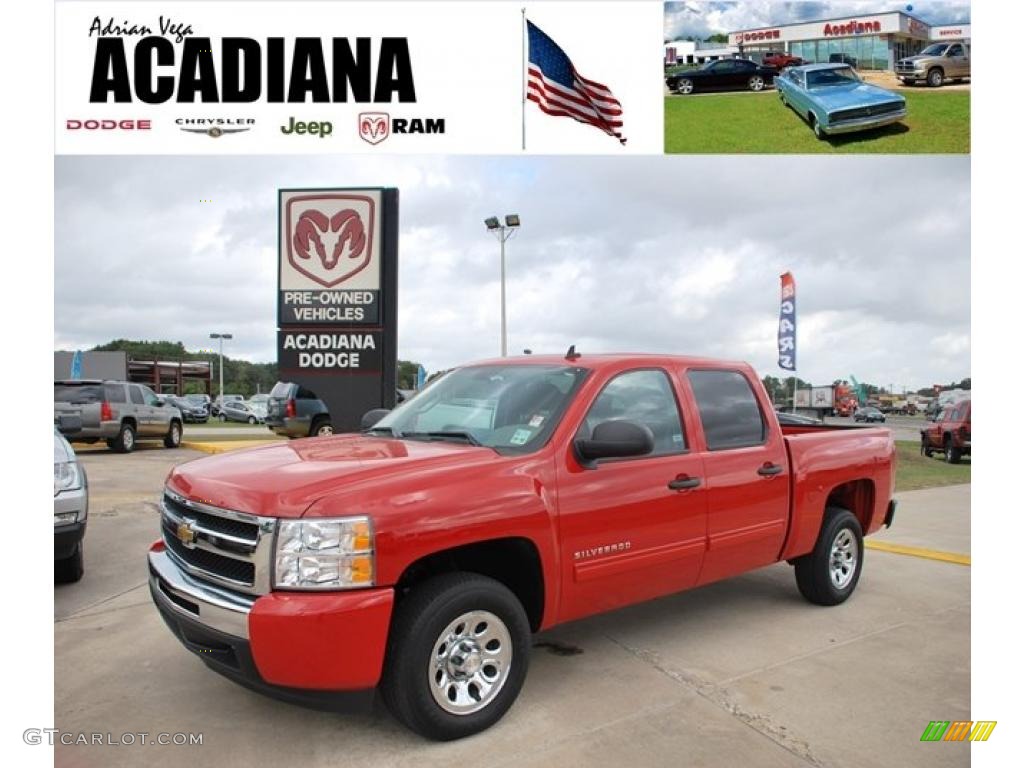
(949, 433)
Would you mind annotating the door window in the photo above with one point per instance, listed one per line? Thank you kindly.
(135, 393)
(642, 397)
(956, 50)
(149, 396)
(728, 409)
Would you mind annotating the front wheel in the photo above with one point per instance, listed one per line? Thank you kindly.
(816, 126)
(926, 450)
(457, 656)
(935, 77)
(756, 83)
(829, 574)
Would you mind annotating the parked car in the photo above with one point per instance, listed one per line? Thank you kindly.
(192, 412)
(120, 412)
(724, 74)
(868, 415)
(936, 64)
(294, 411)
(258, 407)
(420, 555)
(221, 399)
(781, 60)
(201, 400)
(949, 433)
(70, 511)
(238, 410)
(833, 99)
(842, 58)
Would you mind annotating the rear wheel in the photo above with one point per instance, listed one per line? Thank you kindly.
(321, 427)
(125, 440)
(70, 569)
(829, 574)
(457, 656)
(173, 437)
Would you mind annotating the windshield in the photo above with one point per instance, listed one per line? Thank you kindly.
(511, 408)
(825, 78)
(935, 50)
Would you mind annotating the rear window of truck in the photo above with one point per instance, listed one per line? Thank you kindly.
(77, 394)
(728, 409)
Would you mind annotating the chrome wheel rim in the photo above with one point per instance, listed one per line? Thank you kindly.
(756, 83)
(175, 434)
(843, 558)
(470, 662)
(326, 429)
(128, 439)
(685, 86)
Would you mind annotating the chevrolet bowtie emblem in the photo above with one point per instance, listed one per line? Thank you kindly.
(186, 535)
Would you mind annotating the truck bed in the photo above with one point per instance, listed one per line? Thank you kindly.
(844, 465)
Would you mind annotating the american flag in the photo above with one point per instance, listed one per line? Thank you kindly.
(558, 89)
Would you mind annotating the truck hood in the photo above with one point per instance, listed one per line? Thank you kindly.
(284, 479)
(852, 96)
(912, 59)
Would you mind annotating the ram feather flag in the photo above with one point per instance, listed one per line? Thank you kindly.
(558, 89)
(787, 323)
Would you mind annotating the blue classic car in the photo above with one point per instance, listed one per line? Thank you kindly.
(833, 99)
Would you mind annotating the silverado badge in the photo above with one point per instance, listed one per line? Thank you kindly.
(186, 535)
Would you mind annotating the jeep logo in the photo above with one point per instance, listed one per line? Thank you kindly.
(321, 129)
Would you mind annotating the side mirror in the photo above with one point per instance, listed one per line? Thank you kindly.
(613, 440)
(370, 418)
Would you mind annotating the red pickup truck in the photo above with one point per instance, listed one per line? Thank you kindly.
(508, 497)
(780, 60)
(950, 433)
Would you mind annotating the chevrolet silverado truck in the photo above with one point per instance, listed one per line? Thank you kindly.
(513, 495)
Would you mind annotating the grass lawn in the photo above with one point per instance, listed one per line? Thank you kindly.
(937, 122)
(914, 471)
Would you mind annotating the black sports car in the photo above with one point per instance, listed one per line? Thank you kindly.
(724, 74)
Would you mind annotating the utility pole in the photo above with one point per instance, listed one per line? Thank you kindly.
(220, 338)
(503, 232)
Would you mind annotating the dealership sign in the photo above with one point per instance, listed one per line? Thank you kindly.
(787, 324)
(337, 279)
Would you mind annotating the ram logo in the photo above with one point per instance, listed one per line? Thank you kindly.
(374, 127)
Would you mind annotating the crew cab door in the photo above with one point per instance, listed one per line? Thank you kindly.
(634, 528)
(958, 63)
(746, 472)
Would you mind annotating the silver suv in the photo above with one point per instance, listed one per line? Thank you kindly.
(119, 412)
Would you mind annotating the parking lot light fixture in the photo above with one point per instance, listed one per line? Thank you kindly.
(503, 232)
(220, 338)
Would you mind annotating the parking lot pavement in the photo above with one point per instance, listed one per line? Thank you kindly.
(739, 672)
(902, 427)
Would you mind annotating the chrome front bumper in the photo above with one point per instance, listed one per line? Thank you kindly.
(178, 592)
(865, 123)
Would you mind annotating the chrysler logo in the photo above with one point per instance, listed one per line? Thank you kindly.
(186, 534)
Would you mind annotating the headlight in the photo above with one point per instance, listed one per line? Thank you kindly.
(335, 553)
(66, 477)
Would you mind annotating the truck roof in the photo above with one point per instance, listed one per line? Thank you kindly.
(610, 360)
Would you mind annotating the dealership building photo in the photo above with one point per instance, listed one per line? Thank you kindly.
(875, 41)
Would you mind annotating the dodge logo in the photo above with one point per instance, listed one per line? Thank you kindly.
(330, 236)
(374, 127)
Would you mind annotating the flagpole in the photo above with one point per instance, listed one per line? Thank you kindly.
(523, 74)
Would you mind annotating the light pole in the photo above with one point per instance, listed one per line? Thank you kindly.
(220, 337)
(503, 232)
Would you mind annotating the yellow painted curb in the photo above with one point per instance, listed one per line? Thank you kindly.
(225, 446)
(928, 554)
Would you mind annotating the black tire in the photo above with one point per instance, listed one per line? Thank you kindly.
(70, 569)
(419, 621)
(925, 450)
(756, 83)
(685, 86)
(816, 127)
(173, 437)
(935, 77)
(125, 440)
(321, 427)
(951, 453)
(252, 419)
(814, 571)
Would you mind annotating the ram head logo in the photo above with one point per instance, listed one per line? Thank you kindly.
(374, 127)
(330, 237)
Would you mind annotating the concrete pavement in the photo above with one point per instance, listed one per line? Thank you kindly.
(742, 672)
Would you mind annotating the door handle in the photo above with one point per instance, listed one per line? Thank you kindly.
(683, 483)
(768, 470)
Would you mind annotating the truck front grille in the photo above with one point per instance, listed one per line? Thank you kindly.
(222, 546)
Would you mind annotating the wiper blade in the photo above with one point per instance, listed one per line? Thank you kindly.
(447, 434)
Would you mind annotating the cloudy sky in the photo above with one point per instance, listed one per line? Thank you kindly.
(701, 18)
(677, 254)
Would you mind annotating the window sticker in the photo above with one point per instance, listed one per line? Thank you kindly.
(520, 437)
(536, 420)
